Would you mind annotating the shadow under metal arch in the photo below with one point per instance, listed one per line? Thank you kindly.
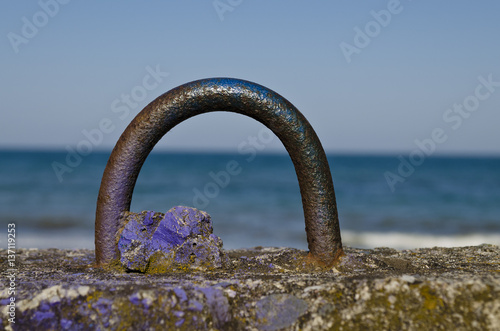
(231, 95)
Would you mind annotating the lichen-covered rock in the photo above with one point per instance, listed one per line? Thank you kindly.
(278, 311)
(181, 239)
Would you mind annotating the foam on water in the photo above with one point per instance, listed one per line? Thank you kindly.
(399, 240)
(351, 239)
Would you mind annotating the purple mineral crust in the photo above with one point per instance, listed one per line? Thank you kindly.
(181, 238)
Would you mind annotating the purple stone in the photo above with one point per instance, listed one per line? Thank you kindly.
(183, 236)
(148, 220)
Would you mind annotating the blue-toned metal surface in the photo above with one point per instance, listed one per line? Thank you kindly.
(232, 95)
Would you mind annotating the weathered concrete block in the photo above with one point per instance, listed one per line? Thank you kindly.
(182, 238)
(261, 289)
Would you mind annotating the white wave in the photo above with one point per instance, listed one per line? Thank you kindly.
(55, 240)
(395, 240)
(400, 240)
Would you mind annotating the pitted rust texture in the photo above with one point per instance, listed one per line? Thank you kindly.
(232, 95)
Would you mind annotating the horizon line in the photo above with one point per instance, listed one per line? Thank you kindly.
(330, 152)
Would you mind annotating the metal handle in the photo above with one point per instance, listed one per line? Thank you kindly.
(232, 95)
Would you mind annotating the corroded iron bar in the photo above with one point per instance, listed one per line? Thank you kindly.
(232, 95)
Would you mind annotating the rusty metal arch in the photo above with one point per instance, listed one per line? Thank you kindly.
(231, 95)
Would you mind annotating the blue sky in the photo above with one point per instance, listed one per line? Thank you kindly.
(421, 69)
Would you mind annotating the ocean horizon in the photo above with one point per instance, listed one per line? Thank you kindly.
(383, 200)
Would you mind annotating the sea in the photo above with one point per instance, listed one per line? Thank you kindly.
(254, 200)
